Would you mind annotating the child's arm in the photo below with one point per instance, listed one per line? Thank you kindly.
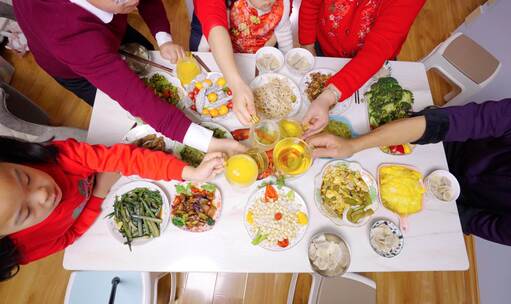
(122, 158)
(283, 30)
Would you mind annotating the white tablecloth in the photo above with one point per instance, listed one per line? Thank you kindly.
(434, 240)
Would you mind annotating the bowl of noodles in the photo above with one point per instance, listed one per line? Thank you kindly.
(275, 96)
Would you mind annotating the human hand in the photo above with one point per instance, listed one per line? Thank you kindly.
(172, 52)
(310, 48)
(316, 118)
(329, 145)
(227, 146)
(104, 182)
(243, 103)
(211, 165)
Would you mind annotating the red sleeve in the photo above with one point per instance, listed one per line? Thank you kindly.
(153, 13)
(211, 13)
(382, 43)
(308, 21)
(87, 217)
(126, 159)
(91, 54)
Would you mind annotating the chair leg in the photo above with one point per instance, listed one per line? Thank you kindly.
(292, 288)
(173, 287)
(315, 286)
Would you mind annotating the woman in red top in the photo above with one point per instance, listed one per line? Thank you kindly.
(49, 195)
(369, 31)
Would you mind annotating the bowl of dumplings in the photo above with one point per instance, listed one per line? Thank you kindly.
(299, 60)
(329, 255)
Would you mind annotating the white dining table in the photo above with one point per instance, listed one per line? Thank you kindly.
(433, 242)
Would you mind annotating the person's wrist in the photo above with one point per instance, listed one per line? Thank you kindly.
(187, 173)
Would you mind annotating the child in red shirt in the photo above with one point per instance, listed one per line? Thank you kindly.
(49, 195)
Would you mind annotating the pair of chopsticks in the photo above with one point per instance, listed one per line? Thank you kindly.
(159, 66)
(145, 61)
(357, 97)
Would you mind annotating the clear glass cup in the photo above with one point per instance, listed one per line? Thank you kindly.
(290, 128)
(292, 156)
(264, 135)
(187, 69)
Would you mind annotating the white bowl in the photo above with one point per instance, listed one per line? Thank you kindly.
(455, 186)
(268, 50)
(301, 52)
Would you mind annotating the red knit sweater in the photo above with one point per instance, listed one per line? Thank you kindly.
(370, 31)
(74, 172)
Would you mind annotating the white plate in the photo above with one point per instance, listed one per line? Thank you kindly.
(368, 179)
(213, 76)
(214, 125)
(265, 78)
(272, 51)
(301, 206)
(175, 82)
(143, 130)
(109, 207)
(301, 52)
(217, 202)
(307, 78)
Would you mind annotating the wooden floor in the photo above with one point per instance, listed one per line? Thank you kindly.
(45, 281)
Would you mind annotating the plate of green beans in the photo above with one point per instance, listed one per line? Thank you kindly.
(138, 211)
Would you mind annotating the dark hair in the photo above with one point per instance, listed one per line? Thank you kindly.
(18, 151)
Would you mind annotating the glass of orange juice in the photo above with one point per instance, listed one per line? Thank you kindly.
(292, 156)
(187, 69)
(241, 170)
(290, 128)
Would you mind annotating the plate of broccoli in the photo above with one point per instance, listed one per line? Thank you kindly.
(387, 101)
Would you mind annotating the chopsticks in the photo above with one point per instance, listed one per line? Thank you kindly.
(143, 60)
(202, 63)
(357, 97)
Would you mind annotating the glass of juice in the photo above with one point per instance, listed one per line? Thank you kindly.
(187, 69)
(241, 170)
(260, 158)
(290, 128)
(265, 135)
(292, 156)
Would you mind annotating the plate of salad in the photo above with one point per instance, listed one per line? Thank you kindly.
(196, 206)
(388, 101)
(276, 217)
(166, 87)
(138, 212)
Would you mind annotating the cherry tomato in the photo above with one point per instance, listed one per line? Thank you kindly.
(191, 95)
(278, 216)
(229, 105)
(195, 91)
(270, 195)
(399, 149)
(284, 243)
(166, 93)
(228, 92)
(193, 107)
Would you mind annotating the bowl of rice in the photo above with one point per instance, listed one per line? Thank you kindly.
(275, 96)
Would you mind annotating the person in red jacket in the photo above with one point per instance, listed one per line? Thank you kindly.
(50, 194)
(369, 31)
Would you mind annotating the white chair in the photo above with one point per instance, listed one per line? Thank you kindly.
(464, 63)
(86, 287)
(351, 288)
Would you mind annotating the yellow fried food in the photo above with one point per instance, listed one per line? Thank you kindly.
(401, 189)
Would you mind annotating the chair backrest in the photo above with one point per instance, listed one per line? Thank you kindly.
(85, 287)
(352, 288)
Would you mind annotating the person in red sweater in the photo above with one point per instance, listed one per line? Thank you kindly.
(369, 31)
(77, 43)
(245, 27)
(50, 194)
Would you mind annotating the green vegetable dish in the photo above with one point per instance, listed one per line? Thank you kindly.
(193, 156)
(338, 128)
(387, 101)
(163, 88)
(138, 214)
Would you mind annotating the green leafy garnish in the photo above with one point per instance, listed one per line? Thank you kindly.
(178, 221)
(209, 187)
(210, 221)
(186, 189)
(258, 239)
(290, 195)
(281, 181)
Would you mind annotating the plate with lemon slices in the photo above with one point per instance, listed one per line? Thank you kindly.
(209, 97)
(276, 218)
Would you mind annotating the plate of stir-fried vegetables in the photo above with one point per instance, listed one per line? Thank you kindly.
(138, 211)
(166, 87)
(196, 206)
